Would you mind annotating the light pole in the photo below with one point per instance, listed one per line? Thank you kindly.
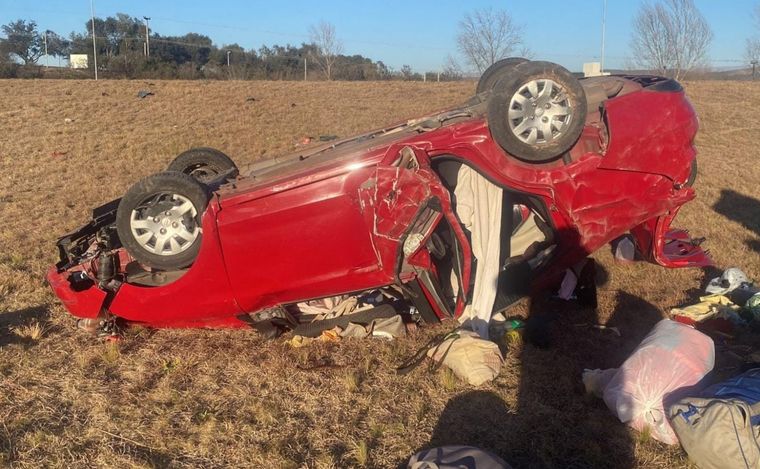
(94, 48)
(228, 59)
(46, 52)
(604, 21)
(147, 36)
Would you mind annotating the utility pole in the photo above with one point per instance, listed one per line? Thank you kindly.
(754, 65)
(94, 48)
(604, 24)
(46, 54)
(304, 69)
(147, 36)
(228, 59)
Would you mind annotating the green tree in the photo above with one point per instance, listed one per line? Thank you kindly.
(22, 40)
(57, 46)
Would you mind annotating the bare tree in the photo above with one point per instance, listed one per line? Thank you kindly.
(671, 37)
(752, 51)
(451, 69)
(486, 36)
(328, 47)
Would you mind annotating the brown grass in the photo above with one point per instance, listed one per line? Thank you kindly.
(196, 398)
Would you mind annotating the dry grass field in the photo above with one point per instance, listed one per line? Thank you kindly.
(200, 398)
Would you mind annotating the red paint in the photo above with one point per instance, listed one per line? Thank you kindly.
(333, 221)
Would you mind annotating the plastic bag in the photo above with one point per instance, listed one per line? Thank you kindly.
(666, 365)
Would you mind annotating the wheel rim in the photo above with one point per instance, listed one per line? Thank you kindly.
(165, 224)
(539, 112)
(202, 172)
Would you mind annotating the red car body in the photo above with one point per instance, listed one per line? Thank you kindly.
(335, 219)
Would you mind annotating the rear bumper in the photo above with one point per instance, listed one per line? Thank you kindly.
(81, 299)
(669, 247)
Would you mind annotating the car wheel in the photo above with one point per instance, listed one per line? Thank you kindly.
(496, 72)
(204, 164)
(538, 112)
(159, 220)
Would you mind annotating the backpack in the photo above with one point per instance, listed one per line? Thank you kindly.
(721, 429)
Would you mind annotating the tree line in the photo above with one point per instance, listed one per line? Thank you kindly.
(127, 48)
(668, 37)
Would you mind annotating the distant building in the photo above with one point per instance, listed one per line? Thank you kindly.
(593, 69)
(78, 61)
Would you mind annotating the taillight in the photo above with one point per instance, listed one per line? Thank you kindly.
(421, 228)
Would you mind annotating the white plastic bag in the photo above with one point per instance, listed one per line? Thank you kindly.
(670, 360)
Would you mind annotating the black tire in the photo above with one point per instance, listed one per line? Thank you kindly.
(153, 199)
(204, 164)
(496, 72)
(567, 95)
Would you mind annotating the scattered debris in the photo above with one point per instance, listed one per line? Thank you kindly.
(103, 94)
(731, 279)
(471, 358)
(292, 104)
(720, 429)
(625, 250)
(327, 138)
(304, 141)
(68, 120)
(250, 99)
(671, 360)
(142, 94)
(455, 457)
(58, 154)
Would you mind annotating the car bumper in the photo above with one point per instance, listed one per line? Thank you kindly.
(667, 246)
(81, 302)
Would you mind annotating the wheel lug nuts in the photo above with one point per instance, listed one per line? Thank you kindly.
(167, 213)
(547, 106)
(545, 119)
(174, 225)
(156, 219)
(163, 230)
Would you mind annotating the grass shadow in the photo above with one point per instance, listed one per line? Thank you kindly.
(742, 209)
(13, 321)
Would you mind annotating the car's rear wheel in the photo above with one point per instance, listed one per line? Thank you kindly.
(204, 164)
(538, 112)
(496, 72)
(159, 220)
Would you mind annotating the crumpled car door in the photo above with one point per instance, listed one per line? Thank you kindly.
(403, 204)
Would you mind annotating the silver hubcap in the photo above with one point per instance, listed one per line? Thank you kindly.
(165, 224)
(539, 112)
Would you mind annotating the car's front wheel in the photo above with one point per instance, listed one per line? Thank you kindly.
(159, 220)
(538, 112)
(204, 164)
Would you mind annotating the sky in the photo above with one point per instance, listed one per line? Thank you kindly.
(419, 33)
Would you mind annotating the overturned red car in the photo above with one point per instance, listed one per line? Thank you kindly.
(485, 200)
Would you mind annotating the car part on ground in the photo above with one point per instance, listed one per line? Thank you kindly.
(203, 163)
(158, 220)
(538, 112)
(499, 70)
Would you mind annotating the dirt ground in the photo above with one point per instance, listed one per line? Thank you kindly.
(200, 398)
